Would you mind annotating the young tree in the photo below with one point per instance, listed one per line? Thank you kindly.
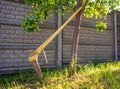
(41, 9)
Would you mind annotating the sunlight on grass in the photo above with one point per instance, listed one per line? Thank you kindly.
(102, 76)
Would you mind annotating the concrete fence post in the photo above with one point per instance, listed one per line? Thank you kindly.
(115, 35)
(59, 42)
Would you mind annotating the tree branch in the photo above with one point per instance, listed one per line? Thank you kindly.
(84, 5)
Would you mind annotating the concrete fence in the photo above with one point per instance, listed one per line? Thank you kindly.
(15, 43)
(118, 35)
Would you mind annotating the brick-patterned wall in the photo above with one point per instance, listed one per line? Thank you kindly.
(12, 10)
(15, 42)
(92, 44)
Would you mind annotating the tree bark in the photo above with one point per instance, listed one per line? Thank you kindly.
(75, 39)
(76, 35)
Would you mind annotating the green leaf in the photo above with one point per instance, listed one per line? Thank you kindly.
(101, 26)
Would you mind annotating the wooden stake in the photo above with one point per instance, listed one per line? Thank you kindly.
(37, 68)
(35, 64)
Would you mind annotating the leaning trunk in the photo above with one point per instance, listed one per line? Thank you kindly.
(76, 39)
(76, 34)
(75, 43)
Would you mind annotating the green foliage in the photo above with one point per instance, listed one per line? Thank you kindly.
(101, 76)
(100, 9)
(110, 59)
(96, 61)
(101, 26)
(41, 9)
(31, 23)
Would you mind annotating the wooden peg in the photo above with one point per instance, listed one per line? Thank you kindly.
(44, 53)
(35, 64)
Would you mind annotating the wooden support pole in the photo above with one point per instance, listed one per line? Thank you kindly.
(45, 43)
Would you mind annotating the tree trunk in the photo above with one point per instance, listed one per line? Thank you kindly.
(76, 38)
(76, 34)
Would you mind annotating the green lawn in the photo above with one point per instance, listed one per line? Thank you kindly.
(102, 76)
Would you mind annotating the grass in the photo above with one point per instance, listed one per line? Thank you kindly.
(101, 76)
